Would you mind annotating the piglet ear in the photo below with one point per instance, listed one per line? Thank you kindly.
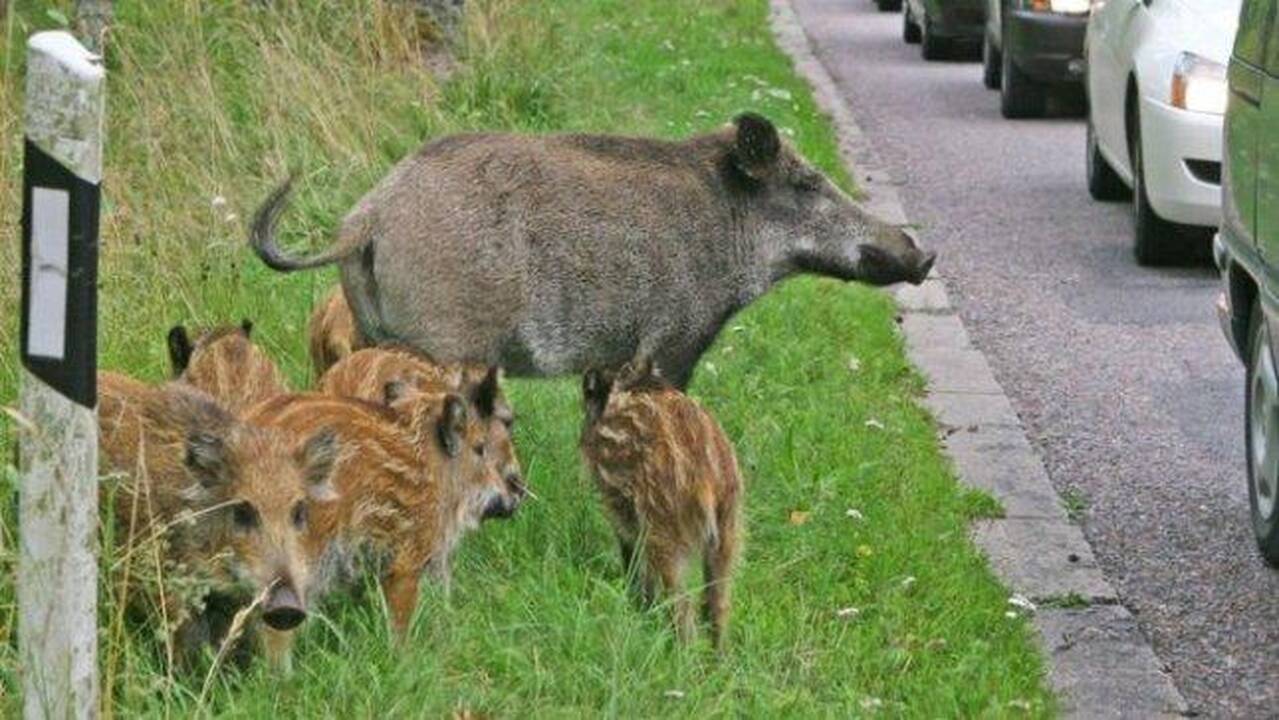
(246, 327)
(485, 394)
(319, 457)
(393, 391)
(207, 459)
(452, 425)
(596, 386)
(179, 349)
(757, 146)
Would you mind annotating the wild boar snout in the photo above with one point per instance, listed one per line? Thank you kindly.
(283, 609)
(515, 484)
(894, 261)
(500, 507)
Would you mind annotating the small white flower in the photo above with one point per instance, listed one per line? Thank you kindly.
(1011, 615)
(1021, 601)
(218, 202)
(674, 694)
(779, 93)
(873, 423)
(854, 514)
(871, 702)
(908, 582)
(854, 364)
(848, 613)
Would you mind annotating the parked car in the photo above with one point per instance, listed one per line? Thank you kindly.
(1156, 83)
(939, 25)
(1030, 47)
(1247, 252)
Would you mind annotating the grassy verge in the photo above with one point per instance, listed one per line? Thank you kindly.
(850, 506)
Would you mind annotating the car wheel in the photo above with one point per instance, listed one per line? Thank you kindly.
(888, 5)
(1155, 240)
(931, 46)
(1261, 433)
(1103, 183)
(1019, 96)
(910, 29)
(989, 63)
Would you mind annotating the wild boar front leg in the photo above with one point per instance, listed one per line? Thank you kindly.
(278, 647)
(400, 586)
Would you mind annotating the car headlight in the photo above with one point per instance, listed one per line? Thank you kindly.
(1199, 84)
(1061, 7)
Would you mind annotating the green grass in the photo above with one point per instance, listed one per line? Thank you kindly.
(223, 102)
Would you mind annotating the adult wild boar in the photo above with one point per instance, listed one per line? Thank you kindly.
(551, 254)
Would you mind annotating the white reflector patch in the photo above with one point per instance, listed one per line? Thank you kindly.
(50, 220)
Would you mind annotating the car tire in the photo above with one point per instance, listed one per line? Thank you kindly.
(989, 63)
(1019, 96)
(932, 47)
(1155, 240)
(1261, 437)
(888, 5)
(1104, 183)
(910, 28)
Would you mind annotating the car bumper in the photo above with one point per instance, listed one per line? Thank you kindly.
(959, 20)
(1182, 162)
(1225, 313)
(1046, 46)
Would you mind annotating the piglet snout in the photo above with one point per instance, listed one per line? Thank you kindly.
(283, 609)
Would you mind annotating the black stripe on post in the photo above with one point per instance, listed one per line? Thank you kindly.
(59, 344)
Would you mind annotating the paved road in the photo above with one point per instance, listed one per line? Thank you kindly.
(1119, 373)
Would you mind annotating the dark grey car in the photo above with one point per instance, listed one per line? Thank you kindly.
(939, 26)
(1030, 47)
(1247, 252)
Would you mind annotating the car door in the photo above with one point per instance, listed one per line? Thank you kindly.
(1266, 156)
(1247, 78)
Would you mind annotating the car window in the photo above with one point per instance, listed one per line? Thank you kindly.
(1255, 20)
(1272, 42)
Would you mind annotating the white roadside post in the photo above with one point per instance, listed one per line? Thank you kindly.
(58, 490)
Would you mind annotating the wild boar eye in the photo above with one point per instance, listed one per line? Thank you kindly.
(299, 515)
(479, 450)
(245, 516)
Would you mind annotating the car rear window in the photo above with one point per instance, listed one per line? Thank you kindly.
(1255, 20)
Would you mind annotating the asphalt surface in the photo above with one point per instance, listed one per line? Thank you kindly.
(1119, 373)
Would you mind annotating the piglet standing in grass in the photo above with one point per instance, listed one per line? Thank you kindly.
(552, 254)
(226, 363)
(419, 474)
(670, 485)
(219, 505)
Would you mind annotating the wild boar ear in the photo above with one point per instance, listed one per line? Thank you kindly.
(246, 327)
(393, 391)
(319, 457)
(207, 459)
(179, 349)
(452, 425)
(757, 146)
(485, 394)
(595, 389)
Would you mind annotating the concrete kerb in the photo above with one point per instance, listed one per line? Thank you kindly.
(1100, 663)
